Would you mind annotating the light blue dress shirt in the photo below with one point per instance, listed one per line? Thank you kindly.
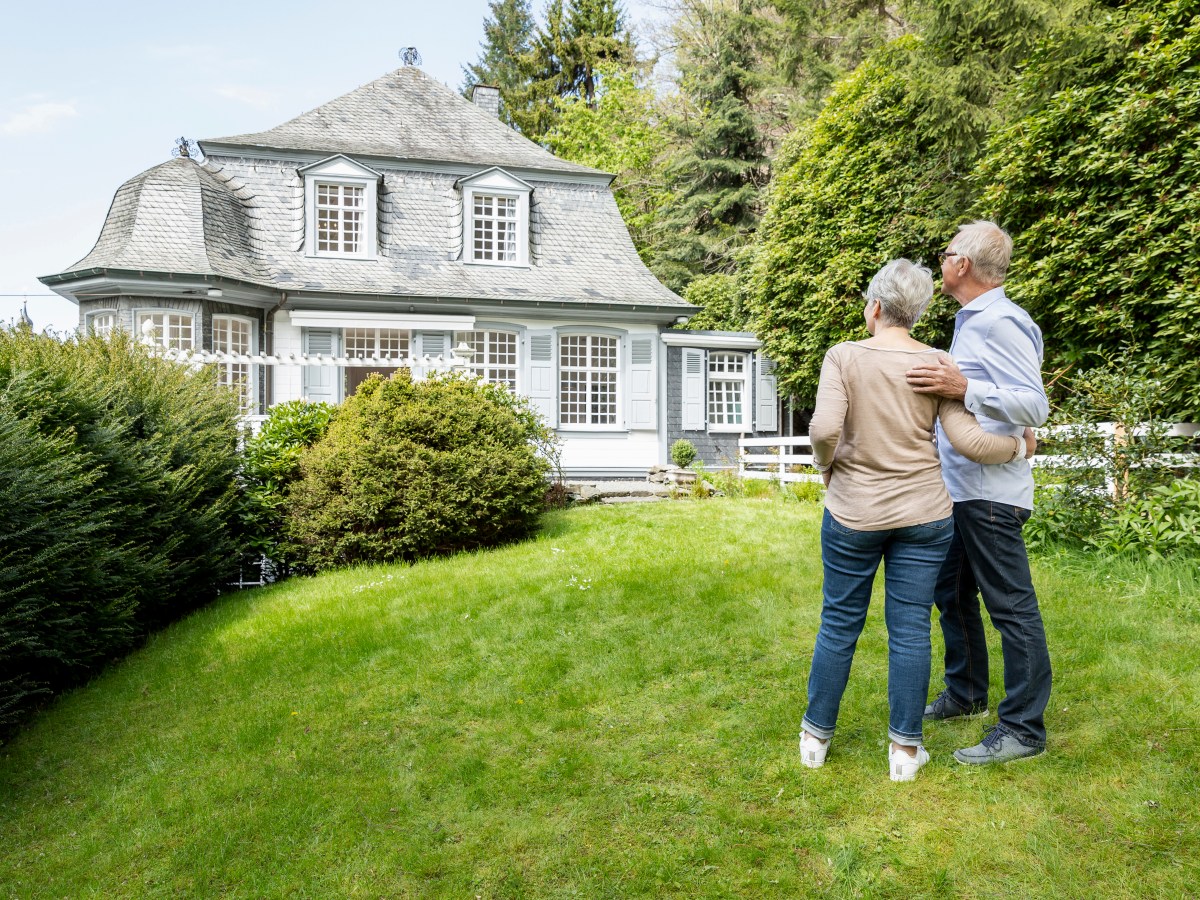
(998, 347)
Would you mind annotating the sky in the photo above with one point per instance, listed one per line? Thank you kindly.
(92, 94)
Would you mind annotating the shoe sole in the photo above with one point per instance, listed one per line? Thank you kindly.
(929, 717)
(1004, 762)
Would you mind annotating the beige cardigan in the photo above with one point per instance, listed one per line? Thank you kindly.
(878, 434)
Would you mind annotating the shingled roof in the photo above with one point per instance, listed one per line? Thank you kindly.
(238, 217)
(176, 217)
(405, 115)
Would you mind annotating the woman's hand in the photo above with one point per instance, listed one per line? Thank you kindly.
(1030, 443)
(826, 475)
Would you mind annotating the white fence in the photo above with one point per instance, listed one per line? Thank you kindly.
(778, 457)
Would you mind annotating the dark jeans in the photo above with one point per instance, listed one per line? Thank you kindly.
(987, 556)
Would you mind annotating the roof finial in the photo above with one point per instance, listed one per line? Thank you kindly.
(409, 56)
(185, 149)
(25, 323)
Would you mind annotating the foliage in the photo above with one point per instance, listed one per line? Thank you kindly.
(480, 726)
(1097, 181)
(683, 453)
(567, 55)
(719, 166)
(618, 133)
(848, 191)
(507, 33)
(722, 303)
(118, 504)
(1107, 489)
(270, 465)
(410, 469)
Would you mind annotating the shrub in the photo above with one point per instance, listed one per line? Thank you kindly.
(409, 469)
(683, 453)
(270, 465)
(1100, 487)
(118, 471)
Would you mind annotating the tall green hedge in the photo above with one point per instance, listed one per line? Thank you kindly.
(116, 504)
(1098, 182)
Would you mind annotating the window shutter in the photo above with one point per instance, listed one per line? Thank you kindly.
(766, 396)
(642, 386)
(320, 383)
(429, 343)
(542, 378)
(693, 390)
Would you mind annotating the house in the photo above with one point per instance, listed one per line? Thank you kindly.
(401, 224)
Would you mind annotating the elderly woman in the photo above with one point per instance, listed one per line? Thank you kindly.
(872, 437)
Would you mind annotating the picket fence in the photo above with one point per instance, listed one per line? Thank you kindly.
(780, 458)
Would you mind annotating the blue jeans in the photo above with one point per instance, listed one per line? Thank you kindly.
(987, 556)
(912, 557)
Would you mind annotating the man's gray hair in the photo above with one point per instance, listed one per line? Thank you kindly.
(903, 289)
(988, 247)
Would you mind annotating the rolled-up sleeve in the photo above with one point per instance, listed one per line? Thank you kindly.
(1014, 361)
(829, 417)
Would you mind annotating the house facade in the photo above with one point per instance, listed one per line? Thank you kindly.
(401, 225)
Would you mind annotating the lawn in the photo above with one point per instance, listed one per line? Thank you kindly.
(609, 710)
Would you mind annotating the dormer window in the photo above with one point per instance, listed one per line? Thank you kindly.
(495, 219)
(340, 203)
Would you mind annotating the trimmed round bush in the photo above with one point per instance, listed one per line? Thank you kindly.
(415, 468)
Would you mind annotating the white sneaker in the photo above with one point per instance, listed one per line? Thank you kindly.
(812, 750)
(903, 766)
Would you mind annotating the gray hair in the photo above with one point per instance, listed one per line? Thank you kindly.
(988, 247)
(903, 289)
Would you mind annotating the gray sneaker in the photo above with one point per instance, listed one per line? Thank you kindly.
(946, 707)
(997, 746)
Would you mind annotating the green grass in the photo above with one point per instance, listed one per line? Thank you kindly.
(610, 710)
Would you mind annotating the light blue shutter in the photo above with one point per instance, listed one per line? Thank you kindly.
(766, 396)
(429, 343)
(642, 384)
(542, 375)
(321, 383)
(693, 390)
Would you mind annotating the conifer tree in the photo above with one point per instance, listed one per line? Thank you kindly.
(507, 34)
(721, 166)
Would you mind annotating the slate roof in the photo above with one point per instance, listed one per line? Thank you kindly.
(176, 217)
(405, 115)
(243, 218)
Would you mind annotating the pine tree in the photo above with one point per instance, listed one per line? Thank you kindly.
(720, 167)
(507, 34)
(564, 59)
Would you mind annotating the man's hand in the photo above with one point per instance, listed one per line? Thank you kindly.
(942, 378)
(1030, 443)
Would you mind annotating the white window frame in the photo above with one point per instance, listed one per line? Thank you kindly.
(341, 172)
(375, 337)
(497, 184)
(162, 337)
(722, 376)
(493, 348)
(106, 330)
(227, 372)
(565, 422)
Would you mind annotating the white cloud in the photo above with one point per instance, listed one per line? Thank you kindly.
(251, 96)
(37, 118)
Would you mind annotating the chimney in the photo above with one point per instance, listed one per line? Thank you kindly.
(487, 98)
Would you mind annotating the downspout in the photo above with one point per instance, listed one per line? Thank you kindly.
(269, 341)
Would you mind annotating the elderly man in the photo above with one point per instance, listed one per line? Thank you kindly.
(996, 372)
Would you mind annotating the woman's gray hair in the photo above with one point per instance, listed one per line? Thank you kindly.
(988, 247)
(903, 289)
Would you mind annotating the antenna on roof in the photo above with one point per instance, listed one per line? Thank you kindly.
(186, 149)
(409, 56)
